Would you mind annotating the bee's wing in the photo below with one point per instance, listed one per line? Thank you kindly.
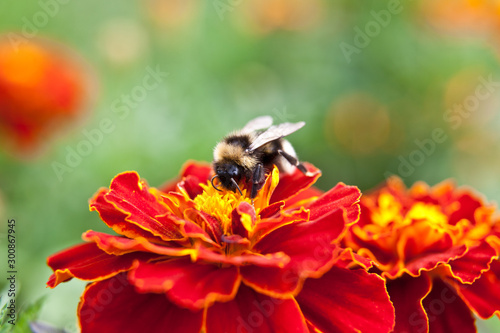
(257, 124)
(275, 133)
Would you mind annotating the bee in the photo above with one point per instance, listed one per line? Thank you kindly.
(248, 154)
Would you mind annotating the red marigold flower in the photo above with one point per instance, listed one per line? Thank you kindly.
(191, 259)
(42, 87)
(438, 250)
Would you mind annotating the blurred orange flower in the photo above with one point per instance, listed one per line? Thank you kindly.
(268, 15)
(42, 88)
(438, 250)
(172, 14)
(360, 124)
(463, 16)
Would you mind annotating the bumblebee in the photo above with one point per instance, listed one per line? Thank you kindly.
(248, 154)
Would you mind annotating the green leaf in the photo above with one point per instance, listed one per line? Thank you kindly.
(25, 315)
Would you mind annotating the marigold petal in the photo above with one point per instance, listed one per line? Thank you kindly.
(197, 251)
(272, 281)
(483, 296)
(176, 202)
(199, 171)
(143, 208)
(113, 305)
(312, 328)
(346, 300)
(278, 259)
(426, 263)
(264, 195)
(466, 208)
(271, 210)
(251, 312)
(188, 284)
(494, 239)
(88, 262)
(116, 220)
(291, 184)
(304, 197)
(198, 224)
(406, 294)
(243, 219)
(191, 186)
(421, 240)
(118, 245)
(236, 239)
(327, 228)
(310, 248)
(341, 196)
(446, 311)
(477, 260)
(265, 226)
(348, 259)
(373, 248)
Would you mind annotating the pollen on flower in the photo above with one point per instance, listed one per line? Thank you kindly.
(431, 213)
(220, 204)
(389, 210)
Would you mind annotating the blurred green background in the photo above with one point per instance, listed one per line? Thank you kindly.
(372, 88)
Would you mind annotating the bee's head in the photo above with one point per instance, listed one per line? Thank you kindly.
(229, 175)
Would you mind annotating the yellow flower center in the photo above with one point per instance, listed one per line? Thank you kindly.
(427, 212)
(405, 229)
(389, 210)
(220, 204)
(423, 221)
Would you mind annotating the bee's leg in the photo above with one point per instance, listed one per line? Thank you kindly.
(293, 161)
(257, 178)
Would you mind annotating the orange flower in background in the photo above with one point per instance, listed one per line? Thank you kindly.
(173, 14)
(43, 87)
(264, 16)
(359, 124)
(438, 250)
(463, 16)
(191, 259)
